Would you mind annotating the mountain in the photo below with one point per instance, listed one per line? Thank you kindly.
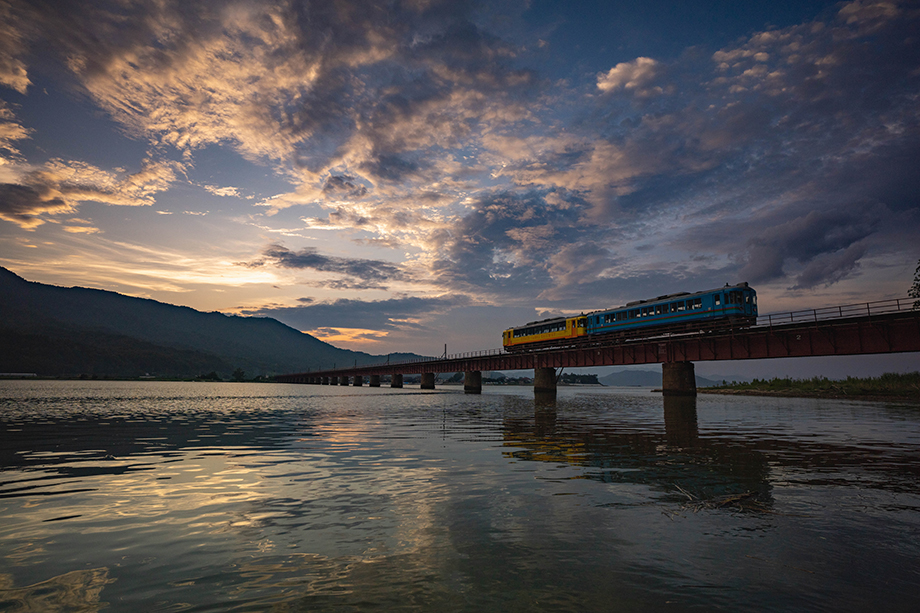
(53, 330)
(646, 378)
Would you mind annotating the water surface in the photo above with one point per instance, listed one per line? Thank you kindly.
(256, 497)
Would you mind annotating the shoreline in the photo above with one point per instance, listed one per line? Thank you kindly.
(788, 393)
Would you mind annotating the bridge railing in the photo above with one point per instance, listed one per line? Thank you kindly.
(452, 356)
(860, 309)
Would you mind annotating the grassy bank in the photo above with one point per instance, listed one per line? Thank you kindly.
(890, 386)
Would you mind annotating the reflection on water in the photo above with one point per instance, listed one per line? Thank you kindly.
(77, 590)
(159, 496)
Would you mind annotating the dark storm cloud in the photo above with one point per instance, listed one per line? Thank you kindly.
(829, 243)
(359, 273)
(396, 313)
(507, 243)
(22, 205)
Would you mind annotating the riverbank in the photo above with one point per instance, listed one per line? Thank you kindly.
(888, 387)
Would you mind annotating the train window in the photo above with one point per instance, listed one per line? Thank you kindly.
(680, 305)
(697, 303)
(718, 299)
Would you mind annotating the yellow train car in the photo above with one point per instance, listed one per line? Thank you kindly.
(546, 332)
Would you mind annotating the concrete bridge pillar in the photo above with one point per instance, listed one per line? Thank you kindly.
(374, 381)
(343, 380)
(359, 380)
(472, 382)
(678, 379)
(395, 380)
(544, 381)
(427, 381)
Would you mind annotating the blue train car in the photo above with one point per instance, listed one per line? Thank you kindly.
(729, 305)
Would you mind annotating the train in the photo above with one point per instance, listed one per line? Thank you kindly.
(729, 306)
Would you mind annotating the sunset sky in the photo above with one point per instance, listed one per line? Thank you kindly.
(394, 176)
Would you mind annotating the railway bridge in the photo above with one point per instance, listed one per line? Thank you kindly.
(887, 326)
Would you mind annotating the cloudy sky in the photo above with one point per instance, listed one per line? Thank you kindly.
(397, 175)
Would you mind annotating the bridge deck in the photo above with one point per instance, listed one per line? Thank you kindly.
(884, 327)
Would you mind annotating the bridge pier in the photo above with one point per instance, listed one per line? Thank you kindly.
(472, 382)
(544, 381)
(374, 381)
(427, 381)
(359, 380)
(395, 380)
(678, 379)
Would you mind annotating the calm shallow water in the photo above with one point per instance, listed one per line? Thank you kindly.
(255, 497)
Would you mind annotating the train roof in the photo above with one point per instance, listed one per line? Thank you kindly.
(669, 297)
(541, 321)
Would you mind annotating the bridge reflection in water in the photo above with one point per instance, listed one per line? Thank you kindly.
(678, 462)
(889, 326)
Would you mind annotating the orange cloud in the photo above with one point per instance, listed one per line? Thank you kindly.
(348, 337)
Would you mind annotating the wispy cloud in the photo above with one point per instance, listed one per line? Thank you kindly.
(224, 192)
(13, 32)
(59, 186)
(11, 131)
(358, 273)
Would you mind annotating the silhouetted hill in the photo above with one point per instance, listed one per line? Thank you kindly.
(55, 330)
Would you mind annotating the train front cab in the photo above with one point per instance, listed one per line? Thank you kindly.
(740, 301)
(529, 335)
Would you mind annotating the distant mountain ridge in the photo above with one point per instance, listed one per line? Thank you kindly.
(646, 378)
(52, 330)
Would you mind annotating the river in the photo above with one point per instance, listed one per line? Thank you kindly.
(157, 496)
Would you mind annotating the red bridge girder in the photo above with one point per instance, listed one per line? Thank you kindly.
(887, 333)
